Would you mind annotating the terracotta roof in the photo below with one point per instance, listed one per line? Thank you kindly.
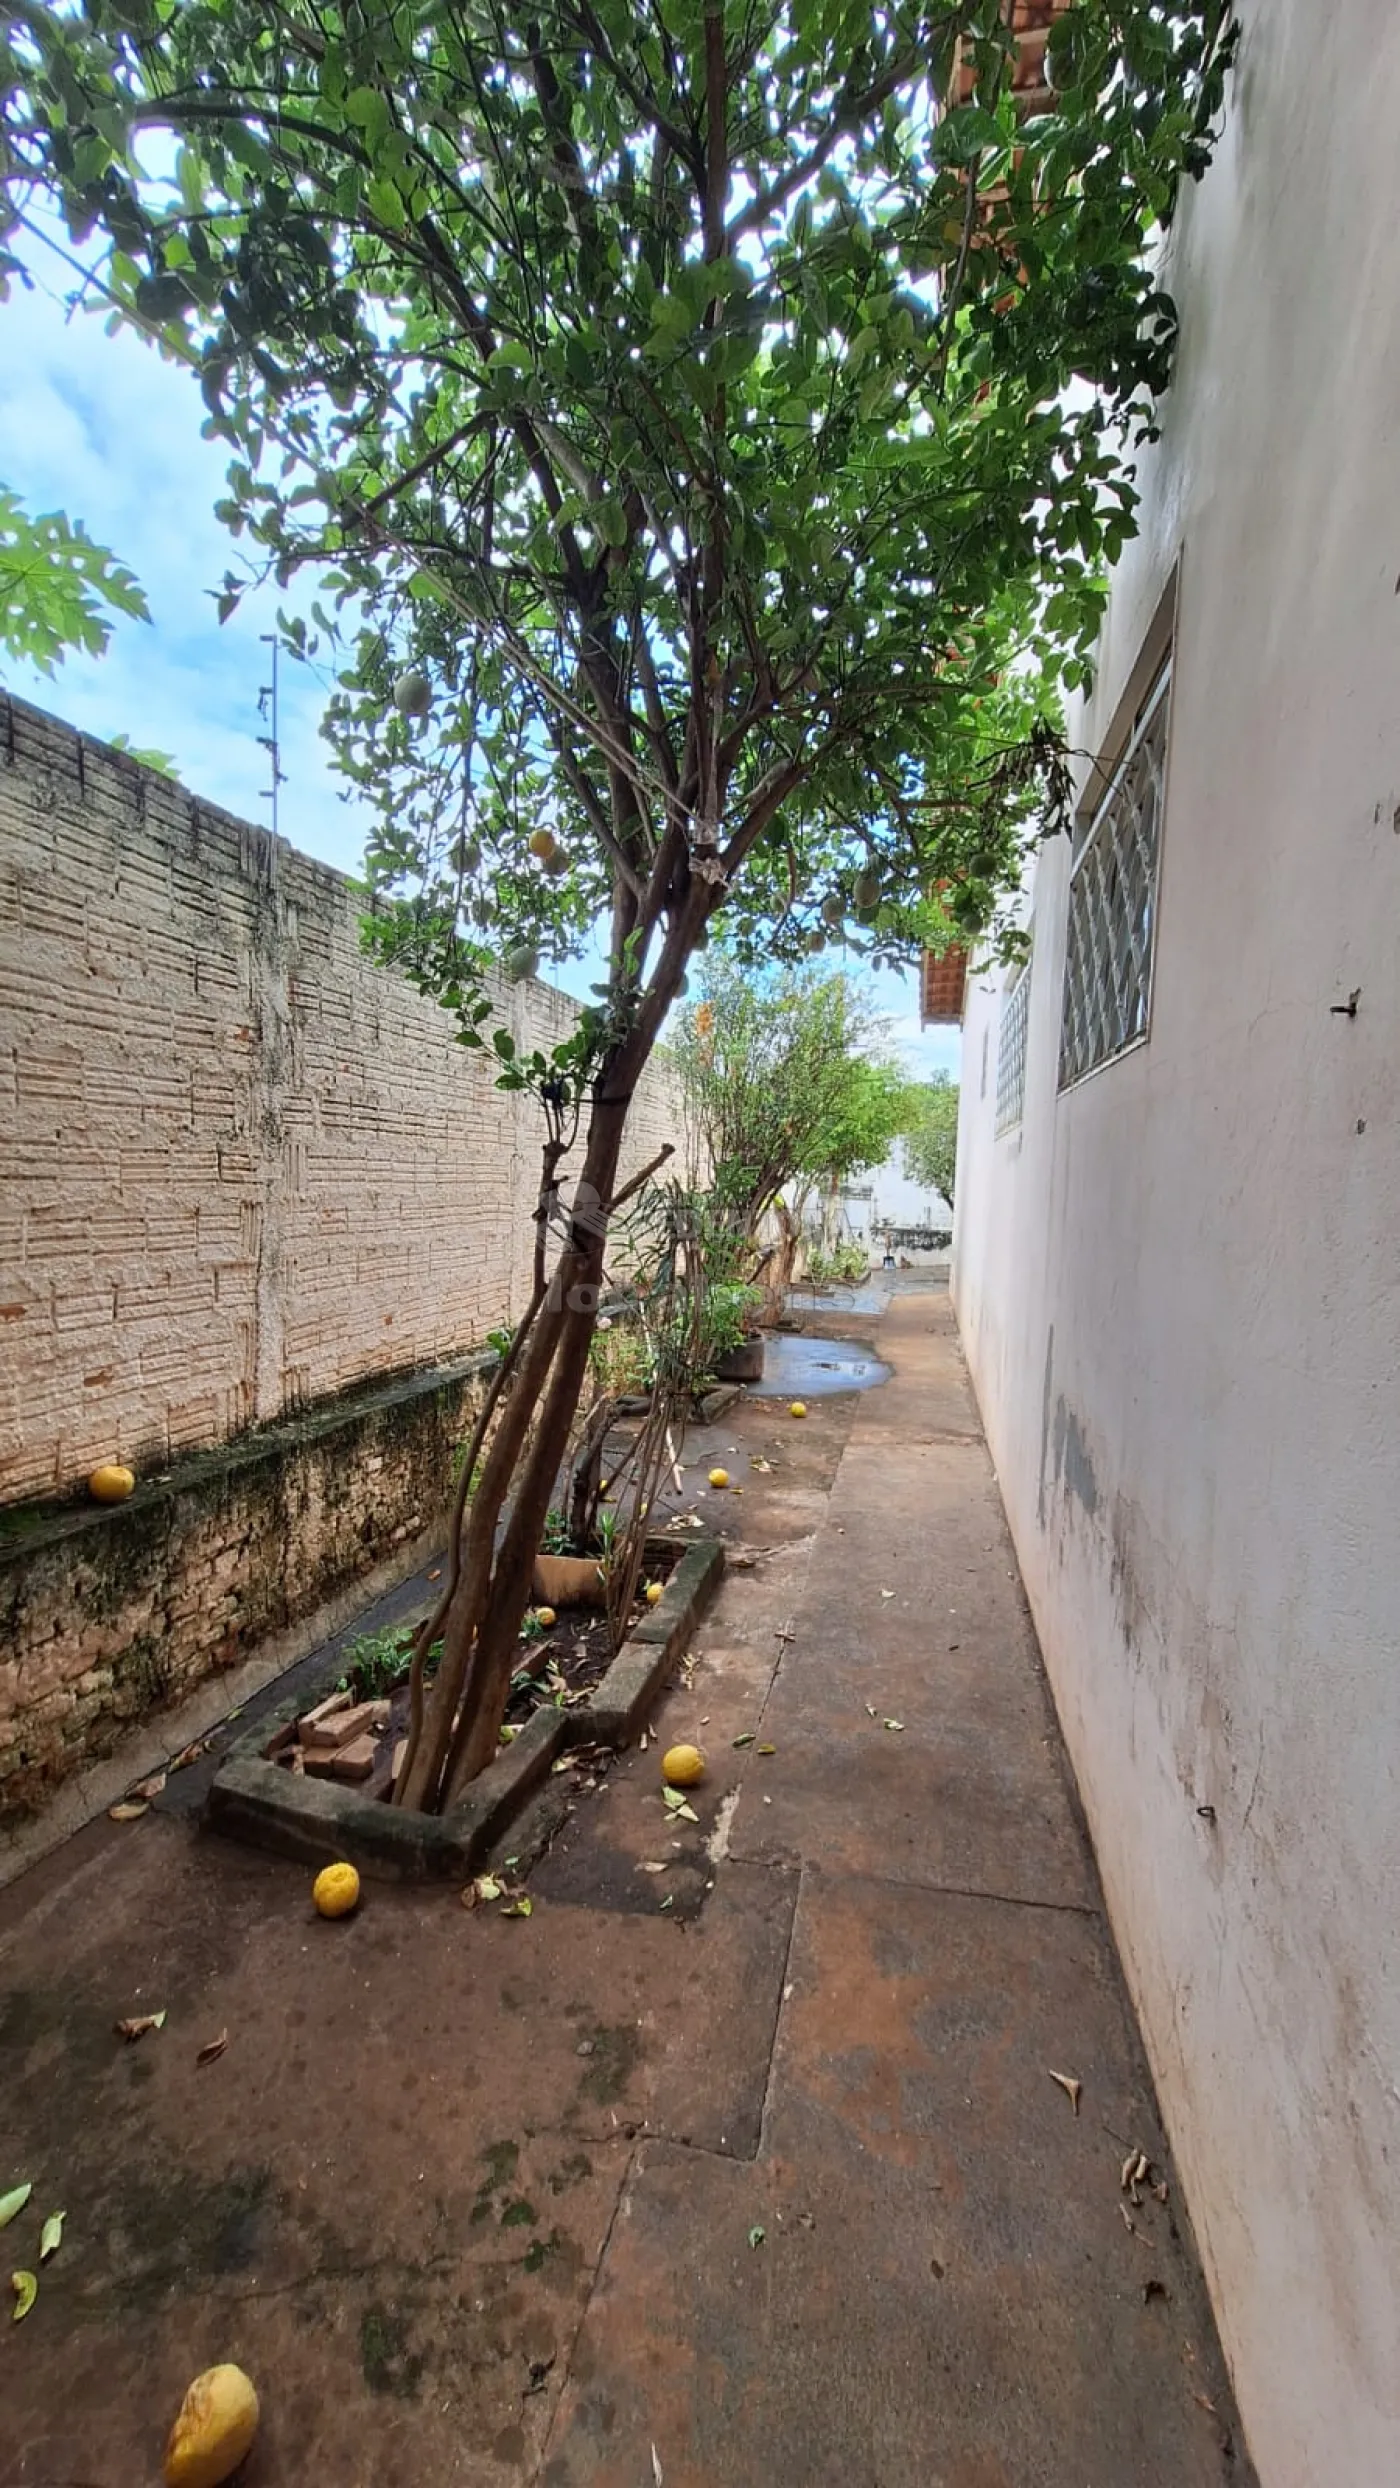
(941, 988)
(1031, 21)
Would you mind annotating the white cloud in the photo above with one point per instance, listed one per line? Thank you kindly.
(101, 427)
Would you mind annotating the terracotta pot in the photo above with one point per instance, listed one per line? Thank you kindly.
(742, 1364)
(568, 1581)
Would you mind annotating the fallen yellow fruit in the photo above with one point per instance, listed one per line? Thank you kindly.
(654, 1590)
(683, 1766)
(545, 1616)
(217, 2423)
(111, 1483)
(798, 1408)
(719, 1477)
(335, 1892)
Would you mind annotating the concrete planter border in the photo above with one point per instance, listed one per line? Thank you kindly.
(316, 1821)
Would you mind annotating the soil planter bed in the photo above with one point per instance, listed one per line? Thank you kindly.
(256, 1796)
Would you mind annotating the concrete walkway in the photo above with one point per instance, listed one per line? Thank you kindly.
(923, 2277)
(749, 2173)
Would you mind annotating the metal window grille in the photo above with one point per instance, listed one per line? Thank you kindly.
(1113, 904)
(1011, 1052)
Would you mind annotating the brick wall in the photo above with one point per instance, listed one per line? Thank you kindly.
(241, 1167)
(256, 1207)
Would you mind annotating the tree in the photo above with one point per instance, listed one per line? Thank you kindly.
(785, 1093)
(54, 585)
(931, 1137)
(678, 401)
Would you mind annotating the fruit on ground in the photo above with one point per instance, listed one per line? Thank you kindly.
(111, 1483)
(654, 1589)
(798, 1408)
(683, 1766)
(719, 1477)
(335, 1892)
(543, 844)
(217, 2423)
(413, 694)
(545, 1616)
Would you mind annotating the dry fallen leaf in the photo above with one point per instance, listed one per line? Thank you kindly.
(212, 2048)
(522, 1908)
(136, 2025)
(656, 2471)
(437, 1575)
(127, 1812)
(887, 1593)
(870, 1707)
(767, 1749)
(1206, 2403)
(150, 1788)
(653, 1866)
(1069, 2084)
(191, 1753)
(895, 1724)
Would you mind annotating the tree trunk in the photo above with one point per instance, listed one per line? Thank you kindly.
(577, 1287)
(778, 1274)
(464, 1711)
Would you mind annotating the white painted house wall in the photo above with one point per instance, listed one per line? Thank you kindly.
(1179, 1282)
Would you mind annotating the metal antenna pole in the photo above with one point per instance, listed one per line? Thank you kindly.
(267, 710)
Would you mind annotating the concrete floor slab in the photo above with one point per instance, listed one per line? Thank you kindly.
(944, 2291)
(472, 2197)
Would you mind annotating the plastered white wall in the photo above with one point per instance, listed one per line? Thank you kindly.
(1179, 1284)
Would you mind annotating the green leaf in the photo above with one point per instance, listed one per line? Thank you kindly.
(26, 2290)
(757, 2235)
(51, 2235)
(384, 202)
(13, 2203)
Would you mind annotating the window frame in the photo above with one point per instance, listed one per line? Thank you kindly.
(1091, 829)
(1013, 1032)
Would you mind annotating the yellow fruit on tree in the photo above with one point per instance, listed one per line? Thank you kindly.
(217, 2423)
(543, 843)
(654, 1589)
(798, 1408)
(683, 1766)
(545, 1616)
(111, 1483)
(719, 1477)
(336, 1890)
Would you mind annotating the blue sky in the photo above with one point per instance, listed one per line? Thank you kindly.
(100, 427)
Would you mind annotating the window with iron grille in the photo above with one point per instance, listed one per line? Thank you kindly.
(1011, 1051)
(1113, 903)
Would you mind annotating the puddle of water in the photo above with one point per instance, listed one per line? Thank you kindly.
(811, 1368)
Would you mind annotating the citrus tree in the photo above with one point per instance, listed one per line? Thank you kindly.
(787, 1091)
(676, 405)
(931, 1135)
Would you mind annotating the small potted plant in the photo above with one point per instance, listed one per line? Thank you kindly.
(735, 1342)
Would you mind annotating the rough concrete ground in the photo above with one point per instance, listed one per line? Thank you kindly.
(473, 2198)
